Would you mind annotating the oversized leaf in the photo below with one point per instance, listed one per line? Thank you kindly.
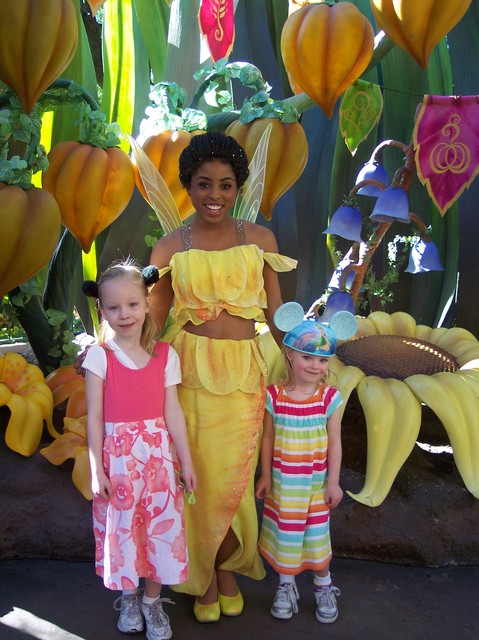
(153, 19)
(159, 195)
(360, 110)
(248, 202)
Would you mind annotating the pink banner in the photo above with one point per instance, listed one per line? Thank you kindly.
(446, 143)
(216, 19)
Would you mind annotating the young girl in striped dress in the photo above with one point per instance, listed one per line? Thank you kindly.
(300, 464)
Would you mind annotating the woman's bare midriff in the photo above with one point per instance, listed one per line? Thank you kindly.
(225, 327)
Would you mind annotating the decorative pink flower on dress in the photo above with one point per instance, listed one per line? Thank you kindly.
(140, 524)
(142, 566)
(178, 547)
(99, 546)
(122, 492)
(116, 555)
(179, 500)
(155, 475)
(99, 510)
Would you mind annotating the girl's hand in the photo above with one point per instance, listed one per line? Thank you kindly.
(333, 495)
(189, 477)
(101, 486)
(263, 487)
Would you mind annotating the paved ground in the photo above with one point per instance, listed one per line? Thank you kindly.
(55, 600)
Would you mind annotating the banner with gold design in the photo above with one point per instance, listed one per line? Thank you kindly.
(360, 110)
(446, 143)
(216, 18)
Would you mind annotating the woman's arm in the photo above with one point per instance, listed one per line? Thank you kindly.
(263, 486)
(100, 483)
(161, 295)
(175, 422)
(334, 493)
(265, 239)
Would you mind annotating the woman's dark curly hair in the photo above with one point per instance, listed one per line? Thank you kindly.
(209, 146)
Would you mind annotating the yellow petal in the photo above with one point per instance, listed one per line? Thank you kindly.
(393, 419)
(81, 474)
(456, 405)
(64, 447)
(24, 429)
(383, 323)
(346, 380)
(404, 324)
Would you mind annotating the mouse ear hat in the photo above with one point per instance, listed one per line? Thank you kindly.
(310, 336)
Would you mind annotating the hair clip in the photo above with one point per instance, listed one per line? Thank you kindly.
(150, 275)
(90, 288)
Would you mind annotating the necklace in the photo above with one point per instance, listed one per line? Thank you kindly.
(302, 391)
(308, 393)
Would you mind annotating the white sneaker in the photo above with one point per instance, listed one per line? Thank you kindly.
(285, 601)
(326, 607)
(157, 622)
(131, 618)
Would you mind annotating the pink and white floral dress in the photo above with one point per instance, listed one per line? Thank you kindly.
(139, 532)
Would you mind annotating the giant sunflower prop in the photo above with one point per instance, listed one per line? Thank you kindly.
(396, 365)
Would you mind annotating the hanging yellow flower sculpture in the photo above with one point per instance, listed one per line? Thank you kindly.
(396, 365)
(24, 391)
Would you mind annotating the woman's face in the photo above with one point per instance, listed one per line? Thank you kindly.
(213, 189)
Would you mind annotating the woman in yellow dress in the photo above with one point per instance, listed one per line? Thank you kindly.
(220, 273)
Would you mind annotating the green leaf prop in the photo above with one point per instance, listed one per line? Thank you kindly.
(360, 110)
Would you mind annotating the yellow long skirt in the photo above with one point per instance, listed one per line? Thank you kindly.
(223, 398)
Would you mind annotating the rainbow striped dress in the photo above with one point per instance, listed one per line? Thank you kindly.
(295, 528)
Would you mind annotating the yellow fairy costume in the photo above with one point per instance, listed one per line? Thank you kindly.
(223, 396)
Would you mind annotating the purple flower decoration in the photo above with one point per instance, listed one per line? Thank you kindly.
(372, 171)
(337, 301)
(346, 222)
(392, 205)
(424, 256)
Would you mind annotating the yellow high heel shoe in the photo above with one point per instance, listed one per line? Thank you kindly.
(231, 605)
(206, 612)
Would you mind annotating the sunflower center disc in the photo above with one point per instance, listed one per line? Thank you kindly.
(395, 356)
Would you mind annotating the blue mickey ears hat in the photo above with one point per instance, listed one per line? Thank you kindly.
(310, 336)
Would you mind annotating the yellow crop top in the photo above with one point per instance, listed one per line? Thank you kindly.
(207, 282)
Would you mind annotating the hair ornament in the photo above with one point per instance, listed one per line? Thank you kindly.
(90, 288)
(150, 275)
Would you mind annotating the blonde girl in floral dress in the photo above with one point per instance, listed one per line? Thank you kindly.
(138, 451)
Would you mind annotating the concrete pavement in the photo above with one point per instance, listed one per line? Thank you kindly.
(57, 600)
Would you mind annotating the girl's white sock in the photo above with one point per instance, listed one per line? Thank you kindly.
(129, 592)
(147, 600)
(284, 579)
(322, 582)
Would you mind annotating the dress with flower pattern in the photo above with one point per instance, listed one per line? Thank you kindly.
(139, 532)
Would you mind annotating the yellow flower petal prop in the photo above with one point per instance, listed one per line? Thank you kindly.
(345, 378)
(73, 444)
(24, 391)
(391, 436)
(457, 406)
(438, 367)
(63, 382)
